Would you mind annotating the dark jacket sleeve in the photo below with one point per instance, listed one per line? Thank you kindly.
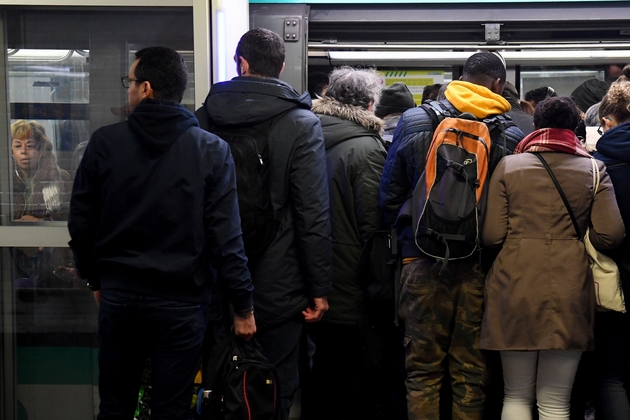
(366, 193)
(85, 210)
(405, 161)
(308, 186)
(223, 229)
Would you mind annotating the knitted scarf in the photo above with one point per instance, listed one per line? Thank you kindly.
(552, 140)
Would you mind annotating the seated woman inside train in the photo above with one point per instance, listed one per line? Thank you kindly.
(41, 192)
(41, 189)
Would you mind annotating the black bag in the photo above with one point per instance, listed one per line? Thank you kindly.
(238, 383)
(249, 147)
(449, 199)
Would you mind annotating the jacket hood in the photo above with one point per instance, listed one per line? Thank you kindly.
(476, 99)
(615, 143)
(344, 125)
(158, 123)
(252, 100)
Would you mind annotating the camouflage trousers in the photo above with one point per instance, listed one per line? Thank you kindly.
(442, 318)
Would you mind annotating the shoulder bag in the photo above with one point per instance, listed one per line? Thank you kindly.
(606, 278)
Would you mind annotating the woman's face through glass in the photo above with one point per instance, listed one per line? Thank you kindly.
(26, 155)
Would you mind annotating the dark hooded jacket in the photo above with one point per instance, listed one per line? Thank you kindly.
(154, 201)
(297, 264)
(355, 156)
(613, 148)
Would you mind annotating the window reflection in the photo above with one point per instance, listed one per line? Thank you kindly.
(41, 189)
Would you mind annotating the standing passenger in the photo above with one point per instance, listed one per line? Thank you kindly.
(341, 387)
(395, 99)
(442, 317)
(154, 201)
(540, 299)
(292, 278)
(612, 341)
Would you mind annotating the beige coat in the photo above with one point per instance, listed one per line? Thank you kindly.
(539, 292)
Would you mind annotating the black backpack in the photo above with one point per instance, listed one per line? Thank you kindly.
(238, 383)
(249, 147)
(448, 202)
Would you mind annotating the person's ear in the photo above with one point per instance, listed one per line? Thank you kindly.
(282, 69)
(497, 86)
(244, 66)
(146, 90)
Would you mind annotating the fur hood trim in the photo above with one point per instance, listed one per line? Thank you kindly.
(334, 108)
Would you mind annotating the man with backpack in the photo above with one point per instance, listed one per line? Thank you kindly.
(441, 297)
(291, 271)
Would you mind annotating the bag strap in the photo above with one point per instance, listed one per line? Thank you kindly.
(564, 198)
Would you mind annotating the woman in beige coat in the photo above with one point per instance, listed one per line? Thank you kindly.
(539, 294)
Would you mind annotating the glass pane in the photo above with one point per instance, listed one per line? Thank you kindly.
(63, 70)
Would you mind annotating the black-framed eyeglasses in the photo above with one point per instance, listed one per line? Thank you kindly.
(125, 81)
(600, 130)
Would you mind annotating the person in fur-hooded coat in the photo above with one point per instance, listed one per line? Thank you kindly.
(40, 187)
(355, 156)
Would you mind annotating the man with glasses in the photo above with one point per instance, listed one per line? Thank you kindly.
(154, 202)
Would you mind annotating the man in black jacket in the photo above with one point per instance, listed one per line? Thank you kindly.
(293, 277)
(154, 201)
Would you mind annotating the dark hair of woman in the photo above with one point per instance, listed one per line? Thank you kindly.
(557, 112)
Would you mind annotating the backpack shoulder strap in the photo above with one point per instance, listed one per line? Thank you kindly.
(203, 117)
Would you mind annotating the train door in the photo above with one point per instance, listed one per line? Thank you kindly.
(63, 69)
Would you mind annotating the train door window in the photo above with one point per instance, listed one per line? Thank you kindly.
(63, 70)
(562, 80)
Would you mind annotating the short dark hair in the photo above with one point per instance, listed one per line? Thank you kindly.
(264, 51)
(165, 70)
(317, 83)
(431, 92)
(483, 65)
(540, 94)
(557, 112)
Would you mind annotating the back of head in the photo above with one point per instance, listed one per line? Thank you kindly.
(591, 117)
(165, 70)
(317, 84)
(589, 93)
(430, 92)
(264, 51)
(537, 95)
(509, 92)
(395, 99)
(616, 102)
(23, 130)
(484, 68)
(557, 112)
(356, 87)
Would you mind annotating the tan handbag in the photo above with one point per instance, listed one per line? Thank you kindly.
(606, 278)
(608, 291)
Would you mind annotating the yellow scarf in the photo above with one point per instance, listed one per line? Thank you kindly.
(476, 99)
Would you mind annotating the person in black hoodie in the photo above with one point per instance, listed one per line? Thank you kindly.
(293, 277)
(154, 202)
(612, 347)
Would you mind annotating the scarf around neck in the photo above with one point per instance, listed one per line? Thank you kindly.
(476, 99)
(552, 140)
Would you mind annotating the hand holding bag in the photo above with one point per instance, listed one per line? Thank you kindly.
(606, 278)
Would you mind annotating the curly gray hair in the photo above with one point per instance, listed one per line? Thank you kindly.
(357, 87)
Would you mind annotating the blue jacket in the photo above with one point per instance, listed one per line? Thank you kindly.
(613, 148)
(405, 163)
(154, 202)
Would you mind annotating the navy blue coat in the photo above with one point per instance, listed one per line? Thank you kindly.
(154, 201)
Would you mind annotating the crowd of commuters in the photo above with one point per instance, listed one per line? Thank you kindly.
(344, 157)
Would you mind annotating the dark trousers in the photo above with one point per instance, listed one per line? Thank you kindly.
(131, 329)
(281, 345)
(347, 380)
(611, 356)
